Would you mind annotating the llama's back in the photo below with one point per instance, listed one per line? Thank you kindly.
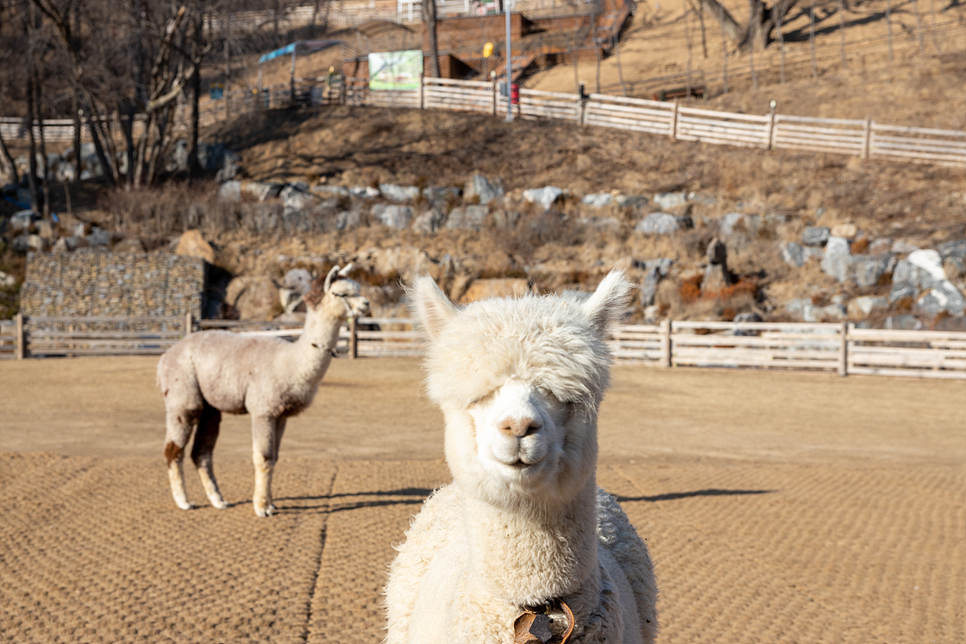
(617, 536)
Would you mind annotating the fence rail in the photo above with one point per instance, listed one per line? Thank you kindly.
(840, 348)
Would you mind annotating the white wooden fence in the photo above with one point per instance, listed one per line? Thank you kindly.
(864, 138)
(838, 348)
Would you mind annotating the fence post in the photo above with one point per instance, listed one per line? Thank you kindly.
(21, 338)
(867, 138)
(844, 350)
(495, 95)
(188, 324)
(353, 339)
(674, 123)
(771, 124)
(666, 344)
(422, 92)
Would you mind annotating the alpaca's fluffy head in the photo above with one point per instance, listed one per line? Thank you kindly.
(519, 381)
(338, 294)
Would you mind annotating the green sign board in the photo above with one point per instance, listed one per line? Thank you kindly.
(395, 70)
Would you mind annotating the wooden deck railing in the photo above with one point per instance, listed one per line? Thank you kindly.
(838, 348)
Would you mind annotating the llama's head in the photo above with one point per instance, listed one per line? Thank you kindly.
(519, 382)
(337, 295)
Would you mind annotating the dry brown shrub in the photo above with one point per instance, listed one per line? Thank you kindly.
(154, 214)
(860, 245)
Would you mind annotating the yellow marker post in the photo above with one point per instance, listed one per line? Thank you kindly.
(487, 50)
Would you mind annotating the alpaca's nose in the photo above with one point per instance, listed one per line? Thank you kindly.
(520, 427)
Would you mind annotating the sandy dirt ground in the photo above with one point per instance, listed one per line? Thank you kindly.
(792, 508)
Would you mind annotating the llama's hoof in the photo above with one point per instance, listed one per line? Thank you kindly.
(219, 504)
(185, 505)
(273, 508)
(265, 512)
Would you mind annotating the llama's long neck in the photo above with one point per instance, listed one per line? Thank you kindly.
(530, 555)
(313, 350)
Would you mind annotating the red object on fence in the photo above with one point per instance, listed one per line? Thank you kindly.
(515, 93)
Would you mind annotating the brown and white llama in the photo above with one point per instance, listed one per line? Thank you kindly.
(214, 372)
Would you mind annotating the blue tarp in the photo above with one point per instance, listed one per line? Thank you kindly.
(307, 46)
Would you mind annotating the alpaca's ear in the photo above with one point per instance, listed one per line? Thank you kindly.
(433, 309)
(329, 278)
(609, 301)
(345, 271)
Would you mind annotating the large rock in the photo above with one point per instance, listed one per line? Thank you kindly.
(100, 238)
(808, 312)
(845, 231)
(545, 196)
(26, 243)
(294, 199)
(717, 252)
(942, 298)
(870, 270)
(332, 191)
(483, 289)
(598, 200)
(429, 221)
(467, 218)
(193, 244)
(392, 192)
(262, 190)
(662, 223)
(655, 271)
(295, 284)
(904, 322)
(815, 236)
(364, 192)
(482, 189)
(793, 254)
(631, 201)
(254, 297)
(230, 192)
(23, 221)
(669, 200)
(837, 259)
(230, 167)
(442, 196)
(393, 216)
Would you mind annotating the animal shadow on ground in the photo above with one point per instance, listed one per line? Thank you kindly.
(674, 496)
(418, 496)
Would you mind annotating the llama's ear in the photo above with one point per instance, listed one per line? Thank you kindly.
(345, 271)
(609, 301)
(433, 309)
(329, 278)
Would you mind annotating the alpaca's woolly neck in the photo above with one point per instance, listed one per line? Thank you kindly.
(527, 554)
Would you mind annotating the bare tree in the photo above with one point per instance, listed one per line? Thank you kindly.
(429, 19)
(761, 21)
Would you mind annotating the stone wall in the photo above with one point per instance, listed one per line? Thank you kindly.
(112, 284)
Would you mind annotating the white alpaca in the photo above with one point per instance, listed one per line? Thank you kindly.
(212, 372)
(523, 534)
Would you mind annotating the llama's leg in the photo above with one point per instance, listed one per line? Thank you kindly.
(263, 456)
(180, 423)
(279, 431)
(201, 453)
